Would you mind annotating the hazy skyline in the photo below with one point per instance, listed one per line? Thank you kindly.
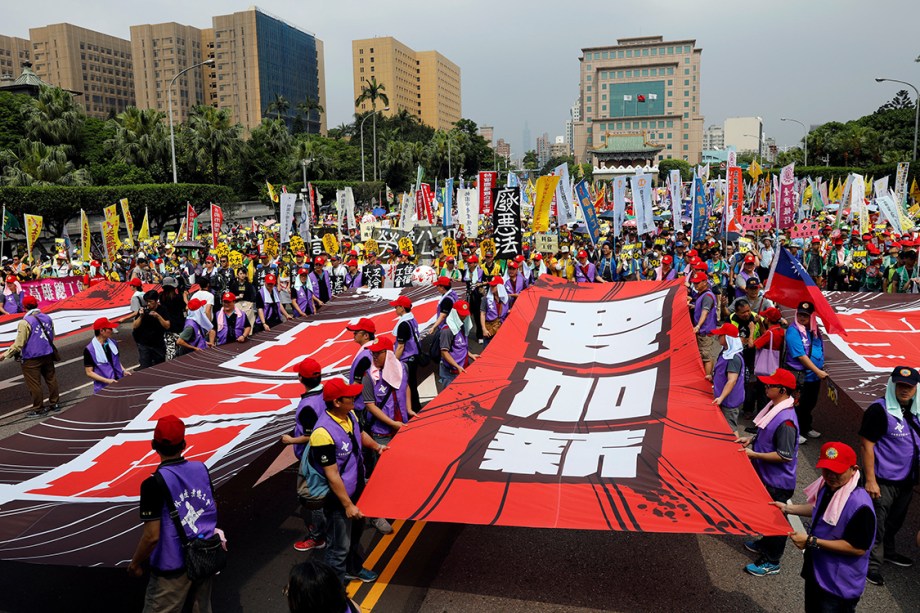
(812, 61)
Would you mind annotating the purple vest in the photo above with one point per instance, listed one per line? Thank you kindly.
(582, 276)
(109, 370)
(740, 293)
(198, 340)
(710, 323)
(362, 353)
(670, 275)
(842, 575)
(304, 299)
(322, 280)
(735, 398)
(459, 347)
(353, 281)
(310, 402)
(190, 494)
(239, 326)
(39, 344)
(391, 405)
(780, 475)
(794, 363)
(492, 308)
(347, 457)
(515, 287)
(411, 349)
(896, 452)
(12, 303)
(271, 310)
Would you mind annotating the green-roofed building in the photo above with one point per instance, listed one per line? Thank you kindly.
(624, 153)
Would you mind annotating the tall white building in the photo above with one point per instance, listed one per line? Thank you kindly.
(714, 138)
(744, 133)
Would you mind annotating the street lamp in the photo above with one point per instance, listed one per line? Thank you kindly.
(372, 114)
(172, 133)
(916, 105)
(304, 163)
(805, 140)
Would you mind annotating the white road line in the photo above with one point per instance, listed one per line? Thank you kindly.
(70, 391)
(13, 382)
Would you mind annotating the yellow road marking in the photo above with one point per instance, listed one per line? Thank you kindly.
(367, 605)
(375, 555)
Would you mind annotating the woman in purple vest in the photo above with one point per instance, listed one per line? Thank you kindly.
(12, 297)
(353, 277)
(495, 303)
(585, 271)
(230, 322)
(773, 451)
(842, 530)
(268, 302)
(407, 346)
(198, 333)
(304, 295)
(516, 282)
(100, 358)
(385, 386)
(728, 390)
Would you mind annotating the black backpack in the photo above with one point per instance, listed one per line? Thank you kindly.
(433, 349)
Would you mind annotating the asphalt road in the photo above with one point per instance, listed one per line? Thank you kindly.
(446, 568)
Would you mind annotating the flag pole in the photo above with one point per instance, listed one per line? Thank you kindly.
(3, 230)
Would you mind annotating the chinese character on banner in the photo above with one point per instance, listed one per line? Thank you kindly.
(487, 183)
(506, 223)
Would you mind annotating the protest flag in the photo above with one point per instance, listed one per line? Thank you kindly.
(272, 194)
(144, 233)
(789, 285)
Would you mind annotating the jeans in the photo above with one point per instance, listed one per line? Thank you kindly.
(315, 521)
(148, 356)
(890, 512)
(731, 416)
(446, 374)
(343, 550)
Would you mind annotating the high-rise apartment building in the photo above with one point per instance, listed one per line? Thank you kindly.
(744, 133)
(488, 133)
(542, 151)
(81, 60)
(13, 52)
(425, 83)
(260, 58)
(643, 85)
(503, 149)
(159, 52)
(714, 138)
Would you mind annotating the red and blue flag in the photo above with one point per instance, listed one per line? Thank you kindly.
(789, 285)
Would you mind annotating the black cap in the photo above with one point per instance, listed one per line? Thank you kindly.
(752, 282)
(806, 307)
(905, 374)
(152, 295)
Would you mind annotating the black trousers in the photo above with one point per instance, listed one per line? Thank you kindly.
(772, 547)
(412, 368)
(819, 601)
(808, 398)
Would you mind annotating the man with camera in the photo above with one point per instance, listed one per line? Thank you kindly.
(151, 323)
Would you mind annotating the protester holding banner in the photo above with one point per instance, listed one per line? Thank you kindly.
(728, 374)
(445, 302)
(12, 296)
(198, 333)
(805, 358)
(231, 323)
(704, 316)
(34, 344)
(495, 302)
(515, 283)
(386, 384)
(408, 346)
(268, 304)
(304, 297)
(452, 341)
(100, 358)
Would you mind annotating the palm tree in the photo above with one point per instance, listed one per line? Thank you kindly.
(279, 105)
(141, 138)
(212, 138)
(54, 118)
(34, 163)
(396, 160)
(312, 149)
(307, 107)
(371, 92)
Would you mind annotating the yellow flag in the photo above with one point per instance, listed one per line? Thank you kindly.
(870, 182)
(85, 240)
(110, 212)
(546, 187)
(144, 233)
(109, 240)
(129, 221)
(33, 229)
(915, 191)
(271, 192)
(754, 170)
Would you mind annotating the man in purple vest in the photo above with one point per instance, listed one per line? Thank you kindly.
(704, 316)
(445, 302)
(385, 398)
(728, 390)
(231, 323)
(336, 446)
(748, 271)
(311, 406)
(12, 296)
(35, 345)
(100, 357)
(408, 347)
(453, 340)
(175, 479)
(773, 452)
(585, 271)
(842, 529)
(889, 444)
(515, 283)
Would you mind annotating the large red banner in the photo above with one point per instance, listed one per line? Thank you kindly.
(589, 410)
(488, 181)
(71, 483)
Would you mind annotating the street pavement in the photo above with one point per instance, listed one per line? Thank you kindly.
(437, 568)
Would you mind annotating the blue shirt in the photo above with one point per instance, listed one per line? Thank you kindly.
(796, 349)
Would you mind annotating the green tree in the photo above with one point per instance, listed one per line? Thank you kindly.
(54, 118)
(279, 106)
(266, 157)
(396, 164)
(12, 129)
(477, 154)
(373, 92)
(311, 110)
(667, 165)
(35, 163)
(211, 139)
(530, 161)
(141, 139)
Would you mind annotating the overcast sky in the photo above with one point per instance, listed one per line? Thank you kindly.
(813, 61)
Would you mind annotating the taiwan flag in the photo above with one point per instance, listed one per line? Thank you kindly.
(640, 98)
(789, 285)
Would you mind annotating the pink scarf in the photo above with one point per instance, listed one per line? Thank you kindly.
(222, 318)
(392, 371)
(770, 411)
(838, 500)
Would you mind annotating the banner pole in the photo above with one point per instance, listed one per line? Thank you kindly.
(3, 230)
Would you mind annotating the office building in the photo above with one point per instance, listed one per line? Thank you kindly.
(95, 64)
(714, 138)
(503, 149)
(543, 154)
(424, 83)
(646, 88)
(558, 148)
(13, 52)
(488, 133)
(745, 134)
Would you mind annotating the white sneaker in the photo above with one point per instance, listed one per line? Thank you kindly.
(382, 526)
(813, 434)
(802, 440)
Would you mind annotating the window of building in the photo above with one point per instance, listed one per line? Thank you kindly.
(603, 96)
(686, 126)
(654, 72)
(589, 99)
(587, 88)
(589, 77)
(645, 72)
(620, 55)
(604, 107)
(619, 74)
(670, 125)
(686, 148)
(670, 104)
(619, 125)
(655, 51)
(670, 50)
(670, 135)
(604, 56)
(629, 53)
(645, 52)
(645, 124)
(686, 136)
(589, 109)
(629, 74)
(660, 124)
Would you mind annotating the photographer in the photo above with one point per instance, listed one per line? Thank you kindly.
(149, 331)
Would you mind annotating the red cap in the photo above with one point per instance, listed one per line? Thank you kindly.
(700, 265)
(867, 237)
(320, 261)
(136, 282)
(496, 280)
(780, 377)
(404, 252)
(195, 303)
(159, 260)
(450, 258)
(301, 254)
(95, 263)
(401, 301)
(169, 431)
(210, 258)
(699, 276)
(772, 314)
(726, 330)
(816, 241)
(270, 279)
(30, 302)
(103, 323)
(837, 457)
(384, 343)
(693, 253)
(473, 259)
(353, 253)
(309, 368)
(442, 282)
(513, 264)
(538, 256)
(462, 307)
(336, 388)
(352, 263)
(363, 325)
(838, 241)
(228, 297)
(750, 259)
(12, 279)
(582, 254)
(303, 271)
(667, 260)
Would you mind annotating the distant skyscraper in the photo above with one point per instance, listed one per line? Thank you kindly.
(543, 149)
(488, 133)
(503, 149)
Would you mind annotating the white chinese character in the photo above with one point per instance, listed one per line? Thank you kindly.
(48, 292)
(524, 451)
(60, 292)
(608, 333)
(552, 395)
(613, 454)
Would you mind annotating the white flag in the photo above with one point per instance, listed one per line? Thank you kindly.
(565, 209)
(468, 211)
(407, 212)
(288, 203)
(652, 96)
(350, 208)
(304, 227)
(628, 98)
(619, 204)
(642, 202)
(677, 203)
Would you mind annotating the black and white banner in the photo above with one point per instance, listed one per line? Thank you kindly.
(506, 223)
